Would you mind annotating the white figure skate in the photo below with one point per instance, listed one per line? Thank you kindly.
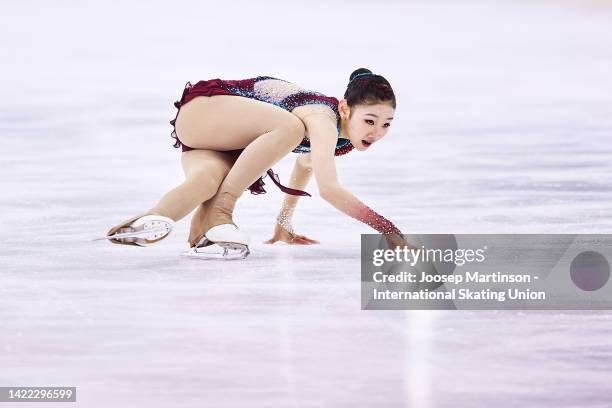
(223, 241)
(144, 231)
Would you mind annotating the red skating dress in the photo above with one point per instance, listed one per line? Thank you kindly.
(271, 90)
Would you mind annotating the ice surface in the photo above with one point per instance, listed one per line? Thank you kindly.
(503, 125)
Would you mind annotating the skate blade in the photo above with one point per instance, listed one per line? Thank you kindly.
(225, 251)
(143, 235)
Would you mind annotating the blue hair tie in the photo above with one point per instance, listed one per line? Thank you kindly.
(360, 75)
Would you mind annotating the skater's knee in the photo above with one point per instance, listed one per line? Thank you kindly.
(294, 128)
(212, 173)
(205, 183)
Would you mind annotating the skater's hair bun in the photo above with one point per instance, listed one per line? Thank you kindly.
(367, 88)
(360, 72)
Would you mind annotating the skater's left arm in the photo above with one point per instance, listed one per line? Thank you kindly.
(323, 136)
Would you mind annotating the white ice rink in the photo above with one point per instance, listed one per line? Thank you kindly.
(504, 125)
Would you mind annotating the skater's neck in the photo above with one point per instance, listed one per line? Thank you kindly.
(343, 128)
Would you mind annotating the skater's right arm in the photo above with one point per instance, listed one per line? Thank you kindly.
(283, 230)
(300, 176)
(323, 137)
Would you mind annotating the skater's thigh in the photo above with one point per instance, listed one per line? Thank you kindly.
(207, 165)
(225, 122)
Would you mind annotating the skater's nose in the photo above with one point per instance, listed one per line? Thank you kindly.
(375, 136)
(379, 134)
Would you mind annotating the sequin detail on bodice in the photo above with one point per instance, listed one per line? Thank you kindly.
(289, 96)
(279, 92)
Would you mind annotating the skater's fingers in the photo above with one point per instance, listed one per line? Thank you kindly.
(314, 241)
(310, 241)
(299, 241)
(301, 237)
(270, 241)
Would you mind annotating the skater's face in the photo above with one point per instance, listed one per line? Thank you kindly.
(366, 124)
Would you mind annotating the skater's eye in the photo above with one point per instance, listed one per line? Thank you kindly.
(386, 125)
(369, 121)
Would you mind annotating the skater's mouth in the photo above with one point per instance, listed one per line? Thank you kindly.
(366, 144)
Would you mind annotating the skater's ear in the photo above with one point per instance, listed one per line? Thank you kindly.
(344, 109)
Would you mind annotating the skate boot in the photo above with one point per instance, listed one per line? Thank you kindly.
(224, 241)
(224, 234)
(143, 230)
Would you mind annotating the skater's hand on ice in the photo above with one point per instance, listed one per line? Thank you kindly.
(291, 238)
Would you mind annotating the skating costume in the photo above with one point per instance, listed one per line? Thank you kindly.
(270, 90)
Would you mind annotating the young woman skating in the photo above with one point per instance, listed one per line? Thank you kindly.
(233, 131)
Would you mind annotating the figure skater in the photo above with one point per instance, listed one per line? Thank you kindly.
(233, 131)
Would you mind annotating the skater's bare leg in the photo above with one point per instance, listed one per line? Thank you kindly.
(198, 226)
(265, 132)
(204, 171)
(261, 154)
